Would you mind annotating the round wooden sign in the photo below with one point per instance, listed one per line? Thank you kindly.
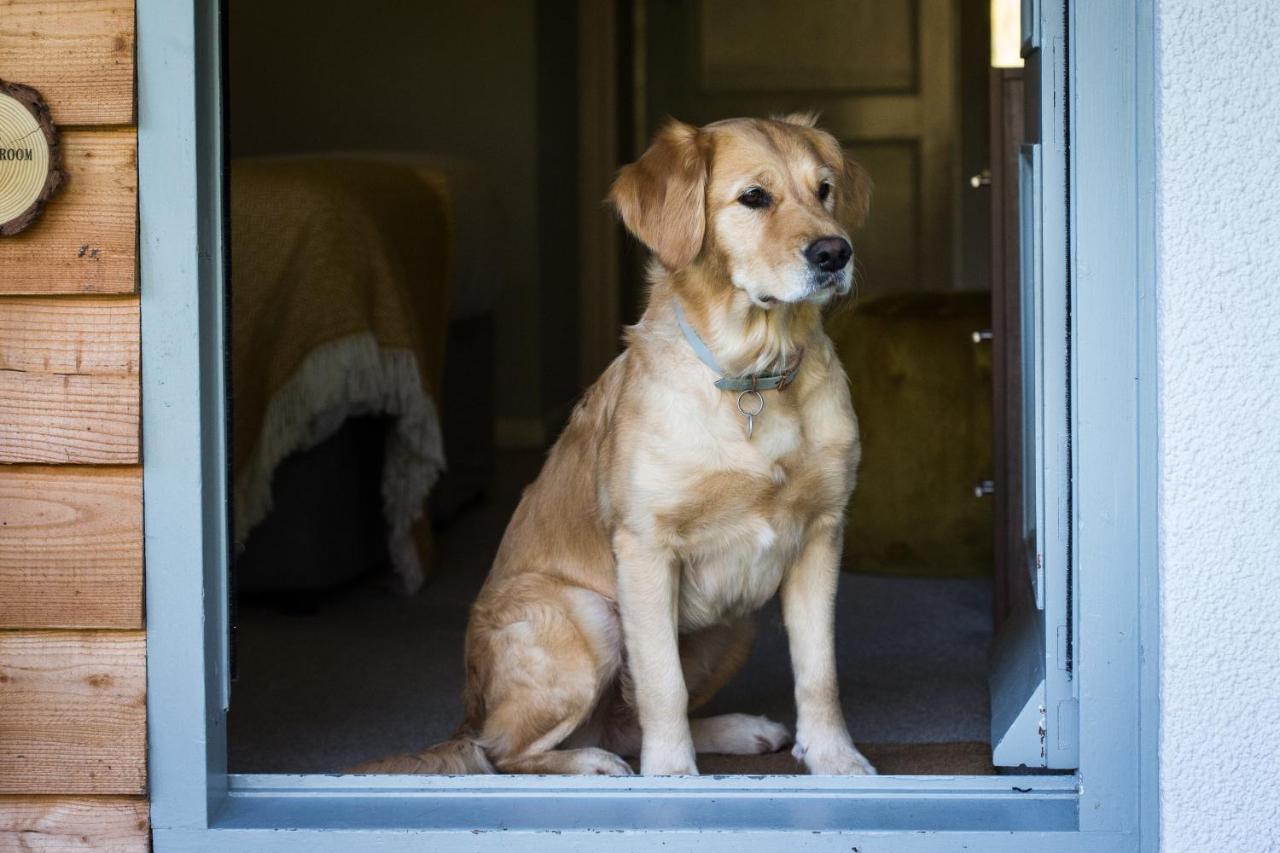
(30, 157)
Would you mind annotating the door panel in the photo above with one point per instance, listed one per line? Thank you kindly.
(1006, 135)
(883, 74)
(1031, 352)
(855, 47)
(890, 261)
(1034, 697)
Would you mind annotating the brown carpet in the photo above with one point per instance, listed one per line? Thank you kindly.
(891, 759)
(971, 758)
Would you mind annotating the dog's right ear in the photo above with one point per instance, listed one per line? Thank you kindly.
(853, 202)
(662, 196)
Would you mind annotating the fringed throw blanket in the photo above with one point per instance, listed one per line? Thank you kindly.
(340, 271)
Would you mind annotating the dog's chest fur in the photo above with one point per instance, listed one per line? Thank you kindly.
(743, 509)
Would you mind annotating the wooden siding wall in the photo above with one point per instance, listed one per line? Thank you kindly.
(72, 642)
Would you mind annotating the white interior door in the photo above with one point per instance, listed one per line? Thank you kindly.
(1034, 704)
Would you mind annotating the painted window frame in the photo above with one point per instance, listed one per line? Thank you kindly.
(1109, 804)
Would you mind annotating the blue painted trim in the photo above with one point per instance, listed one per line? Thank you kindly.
(197, 807)
(184, 440)
(596, 840)
(1016, 685)
(548, 804)
(1055, 438)
(247, 785)
(1114, 410)
(1036, 724)
(500, 803)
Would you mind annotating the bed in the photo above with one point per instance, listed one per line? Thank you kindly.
(350, 286)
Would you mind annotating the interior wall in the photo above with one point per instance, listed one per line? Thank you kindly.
(460, 77)
(557, 58)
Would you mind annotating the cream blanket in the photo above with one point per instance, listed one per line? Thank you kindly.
(340, 272)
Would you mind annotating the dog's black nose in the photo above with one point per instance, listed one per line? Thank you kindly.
(829, 254)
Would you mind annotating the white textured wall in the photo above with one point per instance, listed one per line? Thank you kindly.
(1219, 349)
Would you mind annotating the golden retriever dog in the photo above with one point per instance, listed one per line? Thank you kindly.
(706, 470)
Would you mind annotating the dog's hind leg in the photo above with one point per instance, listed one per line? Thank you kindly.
(588, 761)
(738, 734)
(548, 670)
(725, 734)
(709, 658)
(712, 656)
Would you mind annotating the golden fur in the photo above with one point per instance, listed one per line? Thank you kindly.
(622, 593)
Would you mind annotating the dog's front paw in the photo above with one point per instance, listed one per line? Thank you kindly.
(834, 760)
(667, 762)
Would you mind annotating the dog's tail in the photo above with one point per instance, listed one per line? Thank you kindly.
(457, 756)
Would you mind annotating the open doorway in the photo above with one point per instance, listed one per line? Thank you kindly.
(414, 175)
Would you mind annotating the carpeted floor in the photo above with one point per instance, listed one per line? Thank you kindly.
(360, 673)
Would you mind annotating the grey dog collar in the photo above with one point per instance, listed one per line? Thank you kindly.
(750, 382)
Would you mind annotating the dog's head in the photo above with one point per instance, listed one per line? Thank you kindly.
(771, 202)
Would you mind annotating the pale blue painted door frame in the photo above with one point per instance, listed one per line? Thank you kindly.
(1108, 805)
(1034, 693)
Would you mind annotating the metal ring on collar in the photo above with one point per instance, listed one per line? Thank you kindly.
(759, 400)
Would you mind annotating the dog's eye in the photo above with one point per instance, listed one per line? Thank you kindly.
(824, 190)
(755, 198)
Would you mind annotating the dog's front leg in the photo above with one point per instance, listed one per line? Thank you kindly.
(649, 600)
(809, 609)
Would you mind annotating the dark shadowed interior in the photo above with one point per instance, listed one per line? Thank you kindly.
(416, 257)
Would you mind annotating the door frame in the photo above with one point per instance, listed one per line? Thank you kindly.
(196, 805)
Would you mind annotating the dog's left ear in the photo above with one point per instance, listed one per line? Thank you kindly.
(853, 186)
(662, 196)
(853, 201)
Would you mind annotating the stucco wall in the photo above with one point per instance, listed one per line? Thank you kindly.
(1219, 350)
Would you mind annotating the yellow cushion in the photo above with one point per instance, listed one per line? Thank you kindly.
(922, 391)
